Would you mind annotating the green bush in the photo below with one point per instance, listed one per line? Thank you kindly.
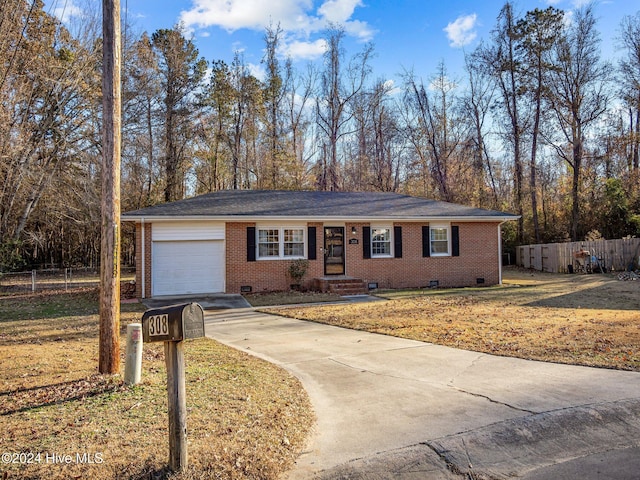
(11, 259)
(298, 269)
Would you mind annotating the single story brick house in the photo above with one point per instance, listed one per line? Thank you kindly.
(245, 240)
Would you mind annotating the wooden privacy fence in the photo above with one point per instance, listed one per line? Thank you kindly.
(616, 255)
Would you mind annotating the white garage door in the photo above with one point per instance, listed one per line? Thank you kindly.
(186, 267)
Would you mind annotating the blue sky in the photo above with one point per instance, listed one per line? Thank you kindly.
(407, 34)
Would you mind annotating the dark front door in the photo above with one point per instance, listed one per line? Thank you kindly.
(334, 250)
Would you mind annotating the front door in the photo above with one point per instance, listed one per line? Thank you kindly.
(334, 250)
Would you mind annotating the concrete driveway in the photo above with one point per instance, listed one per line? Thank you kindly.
(212, 301)
(389, 408)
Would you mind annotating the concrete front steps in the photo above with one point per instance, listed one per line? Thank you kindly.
(341, 285)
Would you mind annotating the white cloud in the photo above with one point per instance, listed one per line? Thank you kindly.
(257, 71)
(296, 17)
(66, 13)
(461, 32)
(305, 50)
(567, 19)
(338, 11)
(359, 30)
(238, 47)
(236, 14)
(391, 88)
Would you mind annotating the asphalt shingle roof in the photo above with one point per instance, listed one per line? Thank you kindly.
(301, 204)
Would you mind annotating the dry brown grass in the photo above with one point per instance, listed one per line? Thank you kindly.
(585, 320)
(290, 297)
(246, 418)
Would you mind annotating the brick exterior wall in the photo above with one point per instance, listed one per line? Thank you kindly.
(146, 260)
(478, 259)
(262, 275)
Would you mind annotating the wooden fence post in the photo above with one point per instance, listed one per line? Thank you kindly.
(177, 396)
(172, 325)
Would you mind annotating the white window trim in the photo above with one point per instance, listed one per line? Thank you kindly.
(268, 257)
(281, 242)
(391, 243)
(440, 225)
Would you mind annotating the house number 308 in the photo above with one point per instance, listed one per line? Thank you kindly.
(158, 325)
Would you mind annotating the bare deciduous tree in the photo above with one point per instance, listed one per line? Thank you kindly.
(578, 97)
(338, 87)
(476, 105)
(501, 60)
(436, 131)
(630, 85)
(49, 84)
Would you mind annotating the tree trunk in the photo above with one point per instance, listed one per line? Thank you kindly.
(171, 156)
(32, 201)
(636, 141)
(532, 170)
(150, 152)
(575, 190)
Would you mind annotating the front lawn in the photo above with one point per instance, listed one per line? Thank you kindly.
(577, 319)
(61, 419)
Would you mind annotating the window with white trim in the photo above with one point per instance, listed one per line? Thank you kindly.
(294, 242)
(439, 240)
(281, 242)
(268, 242)
(380, 242)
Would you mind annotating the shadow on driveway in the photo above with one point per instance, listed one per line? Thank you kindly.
(218, 301)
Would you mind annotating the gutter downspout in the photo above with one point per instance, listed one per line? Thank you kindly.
(144, 258)
(500, 252)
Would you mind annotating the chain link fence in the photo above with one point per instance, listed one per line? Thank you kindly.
(64, 279)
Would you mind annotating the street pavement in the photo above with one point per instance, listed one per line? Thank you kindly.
(390, 408)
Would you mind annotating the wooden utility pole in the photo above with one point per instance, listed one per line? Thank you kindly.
(109, 361)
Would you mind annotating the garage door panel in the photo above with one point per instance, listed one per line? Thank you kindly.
(188, 267)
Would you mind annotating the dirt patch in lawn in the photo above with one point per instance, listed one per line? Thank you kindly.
(578, 319)
(60, 419)
(290, 297)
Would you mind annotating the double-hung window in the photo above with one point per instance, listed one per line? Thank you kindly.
(293, 242)
(268, 242)
(281, 242)
(439, 240)
(381, 242)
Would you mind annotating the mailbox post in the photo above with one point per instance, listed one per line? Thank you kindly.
(172, 325)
